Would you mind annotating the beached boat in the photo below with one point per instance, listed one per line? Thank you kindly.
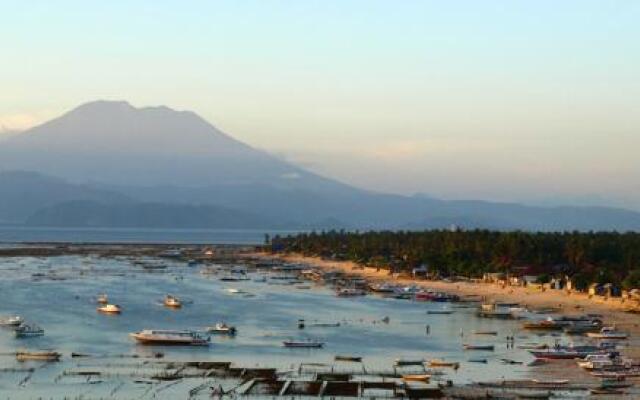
(222, 329)
(110, 309)
(14, 320)
(486, 347)
(170, 337)
(416, 378)
(172, 302)
(44, 355)
(608, 332)
(441, 363)
(304, 344)
(28, 330)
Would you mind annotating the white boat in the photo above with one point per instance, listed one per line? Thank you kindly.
(608, 332)
(110, 309)
(170, 337)
(172, 301)
(604, 361)
(26, 330)
(14, 320)
(222, 329)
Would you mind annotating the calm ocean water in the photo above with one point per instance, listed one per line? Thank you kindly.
(58, 293)
(9, 234)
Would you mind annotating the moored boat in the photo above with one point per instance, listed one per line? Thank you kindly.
(416, 378)
(608, 332)
(442, 363)
(304, 344)
(172, 301)
(102, 299)
(350, 292)
(170, 337)
(44, 355)
(14, 320)
(546, 324)
(439, 312)
(222, 329)
(28, 330)
(486, 347)
(110, 309)
(348, 358)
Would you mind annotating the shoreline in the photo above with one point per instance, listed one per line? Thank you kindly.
(569, 303)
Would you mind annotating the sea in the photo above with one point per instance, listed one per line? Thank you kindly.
(20, 234)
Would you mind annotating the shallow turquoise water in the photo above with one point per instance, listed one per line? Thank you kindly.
(66, 309)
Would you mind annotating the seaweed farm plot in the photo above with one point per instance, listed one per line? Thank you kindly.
(125, 327)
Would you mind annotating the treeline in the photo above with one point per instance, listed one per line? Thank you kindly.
(593, 257)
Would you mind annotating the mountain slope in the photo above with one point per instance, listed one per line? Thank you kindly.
(123, 161)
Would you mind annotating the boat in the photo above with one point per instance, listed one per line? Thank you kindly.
(442, 363)
(416, 378)
(110, 309)
(608, 332)
(604, 362)
(44, 355)
(325, 325)
(102, 299)
(493, 333)
(439, 312)
(223, 329)
(350, 292)
(348, 358)
(154, 267)
(568, 352)
(27, 330)
(478, 360)
(172, 301)
(170, 337)
(606, 391)
(14, 320)
(546, 324)
(487, 347)
(305, 344)
(400, 362)
(631, 373)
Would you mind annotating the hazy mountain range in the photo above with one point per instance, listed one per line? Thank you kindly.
(109, 164)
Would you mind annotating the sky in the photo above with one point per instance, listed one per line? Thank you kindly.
(530, 101)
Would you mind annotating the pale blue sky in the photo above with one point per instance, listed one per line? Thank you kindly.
(505, 100)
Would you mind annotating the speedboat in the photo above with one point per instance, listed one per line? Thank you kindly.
(305, 344)
(223, 329)
(14, 320)
(170, 337)
(608, 332)
(26, 330)
(44, 355)
(172, 301)
(110, 309)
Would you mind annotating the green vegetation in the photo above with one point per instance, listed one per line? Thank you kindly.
(601, 257)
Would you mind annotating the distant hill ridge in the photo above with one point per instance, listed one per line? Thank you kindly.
(105, 163)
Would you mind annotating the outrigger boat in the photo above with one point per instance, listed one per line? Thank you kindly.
(608, 332)
(172, 302)
(110, 309)
(170, 337)
(26, 330)
(223, 329)
(44, 355)
(307, 344)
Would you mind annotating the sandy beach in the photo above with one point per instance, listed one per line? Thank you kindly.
(571, 303)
